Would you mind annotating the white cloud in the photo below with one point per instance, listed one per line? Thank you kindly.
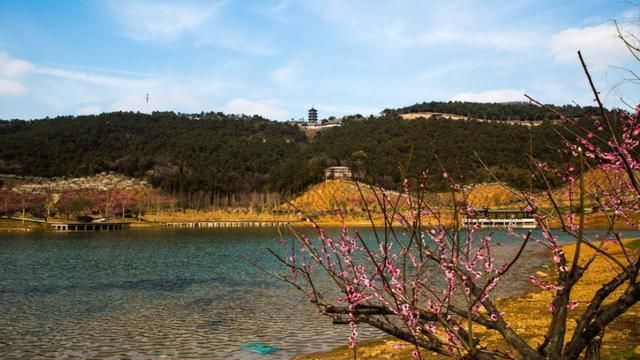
(11, 87)
(161, 20)
(83, 76)
(166, 21)
(11, 68)
(411, 24)
(86, 92)
(599, 45)
(265, 108)
(89, 110)
(491, 96)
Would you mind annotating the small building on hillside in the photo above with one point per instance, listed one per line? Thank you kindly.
(337, 172)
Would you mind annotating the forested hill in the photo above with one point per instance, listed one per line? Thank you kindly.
(214, 154)
(379, 147)
(498, 111)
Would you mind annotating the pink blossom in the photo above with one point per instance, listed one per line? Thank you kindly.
(572, 305)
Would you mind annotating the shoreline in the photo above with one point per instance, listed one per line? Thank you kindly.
(593, 222)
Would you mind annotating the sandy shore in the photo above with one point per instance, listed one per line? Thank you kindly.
(529, 316)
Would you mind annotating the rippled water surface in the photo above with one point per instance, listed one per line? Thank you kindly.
(152, 293)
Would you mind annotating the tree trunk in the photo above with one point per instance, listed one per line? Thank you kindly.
(593, 350)
(480, 356)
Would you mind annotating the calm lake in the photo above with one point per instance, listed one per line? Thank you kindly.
(154, 293)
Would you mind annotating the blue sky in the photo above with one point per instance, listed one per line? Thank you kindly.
(278, 58)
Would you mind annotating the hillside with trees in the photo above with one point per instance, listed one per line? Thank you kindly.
(498, 111)
(218, 159)
(201, 158)
(380, 149)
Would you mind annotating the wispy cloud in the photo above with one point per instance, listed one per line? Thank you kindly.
(286, 75)
(355, 56)
(232, 39)
(91, 78)
(10, 67)
(200, 23)
(161, 20)
(89, 92)
(11, 87)
(457, 23)
(13, 68)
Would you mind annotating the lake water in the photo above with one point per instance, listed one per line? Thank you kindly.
(155, 293)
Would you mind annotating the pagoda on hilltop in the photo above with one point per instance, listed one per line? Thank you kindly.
(313, 116)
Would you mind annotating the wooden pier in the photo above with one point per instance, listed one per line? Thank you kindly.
(225, 224)
(89, 226)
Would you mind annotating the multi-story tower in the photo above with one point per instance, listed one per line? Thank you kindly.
(313, 115)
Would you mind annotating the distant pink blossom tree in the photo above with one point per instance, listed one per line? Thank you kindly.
(9, 202)
(76, 203)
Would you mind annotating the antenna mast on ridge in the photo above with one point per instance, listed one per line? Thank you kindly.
(147, 101)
